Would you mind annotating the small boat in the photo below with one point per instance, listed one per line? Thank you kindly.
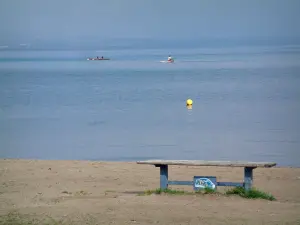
(170, 60)
(167, 61)
(98, 58)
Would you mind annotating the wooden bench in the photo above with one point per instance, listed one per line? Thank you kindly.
(248, 170)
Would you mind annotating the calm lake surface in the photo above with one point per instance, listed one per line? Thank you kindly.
(58, 105)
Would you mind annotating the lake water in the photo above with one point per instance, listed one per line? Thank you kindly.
(57, 105)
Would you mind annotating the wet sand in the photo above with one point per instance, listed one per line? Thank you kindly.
(88, 192)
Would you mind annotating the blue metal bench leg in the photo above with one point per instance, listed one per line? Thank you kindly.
(163, 176)
(248, 178)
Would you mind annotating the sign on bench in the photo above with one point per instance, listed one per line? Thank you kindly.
(200, 182)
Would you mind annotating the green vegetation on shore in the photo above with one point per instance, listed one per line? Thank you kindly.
(252, 193)
(178, 192)
(240, 191)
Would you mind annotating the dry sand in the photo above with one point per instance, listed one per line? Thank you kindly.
(87, 192)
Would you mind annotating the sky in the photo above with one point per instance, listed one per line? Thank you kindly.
(28, 21)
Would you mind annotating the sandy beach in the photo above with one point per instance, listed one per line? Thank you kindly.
(90, 192)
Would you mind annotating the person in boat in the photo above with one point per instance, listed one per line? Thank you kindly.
(170, 59)
(102, 57)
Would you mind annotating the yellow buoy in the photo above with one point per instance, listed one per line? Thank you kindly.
(189, 102)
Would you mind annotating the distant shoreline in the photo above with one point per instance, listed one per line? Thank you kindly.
(108, 161)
